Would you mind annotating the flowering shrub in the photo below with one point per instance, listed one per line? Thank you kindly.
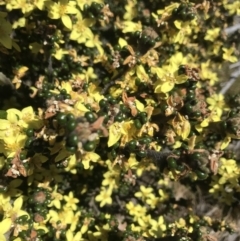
(111, 121)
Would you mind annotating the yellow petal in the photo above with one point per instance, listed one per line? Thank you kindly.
(67, 21)
(139, 105)
(181, 79)
(84, 229)
(22, 71)
(122, 42)
(13, 115)
(5, 225)
(186, 128)
(225, 142)
(69, 235)
(4, 124)
(115, 133)
(164, 88)
(81, 107)
(18, 203)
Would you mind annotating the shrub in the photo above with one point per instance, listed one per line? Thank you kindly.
(111, 123)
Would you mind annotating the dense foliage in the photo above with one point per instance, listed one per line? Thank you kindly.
(111, 121)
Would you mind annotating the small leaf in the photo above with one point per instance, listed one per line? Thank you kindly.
(15, 183)
(62, 155)
(6, 41)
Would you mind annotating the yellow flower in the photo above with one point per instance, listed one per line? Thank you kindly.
(88, 74)
(217, 103)
(228, 168)
(80, 30)
(104, 197)
(207, 73)
(61, 10)
(144, 192)
(212, 34)
(152, 200)
(167, 77)
(228, 55)
(132, 208)
(71, 201)
(89, 157)
(72, 164)
(94, 42)
(56, 198)
(111, 178)
(9, 127)
(65, 216)
(11, 145)
(101, 233)
(129, 26)
(181, 126)
(184, 30)
(144, 222)
(163, 195)
(59, 52)
(157, 227)
(233, 8)
(116, 131)
(140, 212)
(14, 211)
(25, 118)
(5, 31)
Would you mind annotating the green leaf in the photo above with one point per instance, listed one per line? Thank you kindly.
(62, 155)
(15, 183)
